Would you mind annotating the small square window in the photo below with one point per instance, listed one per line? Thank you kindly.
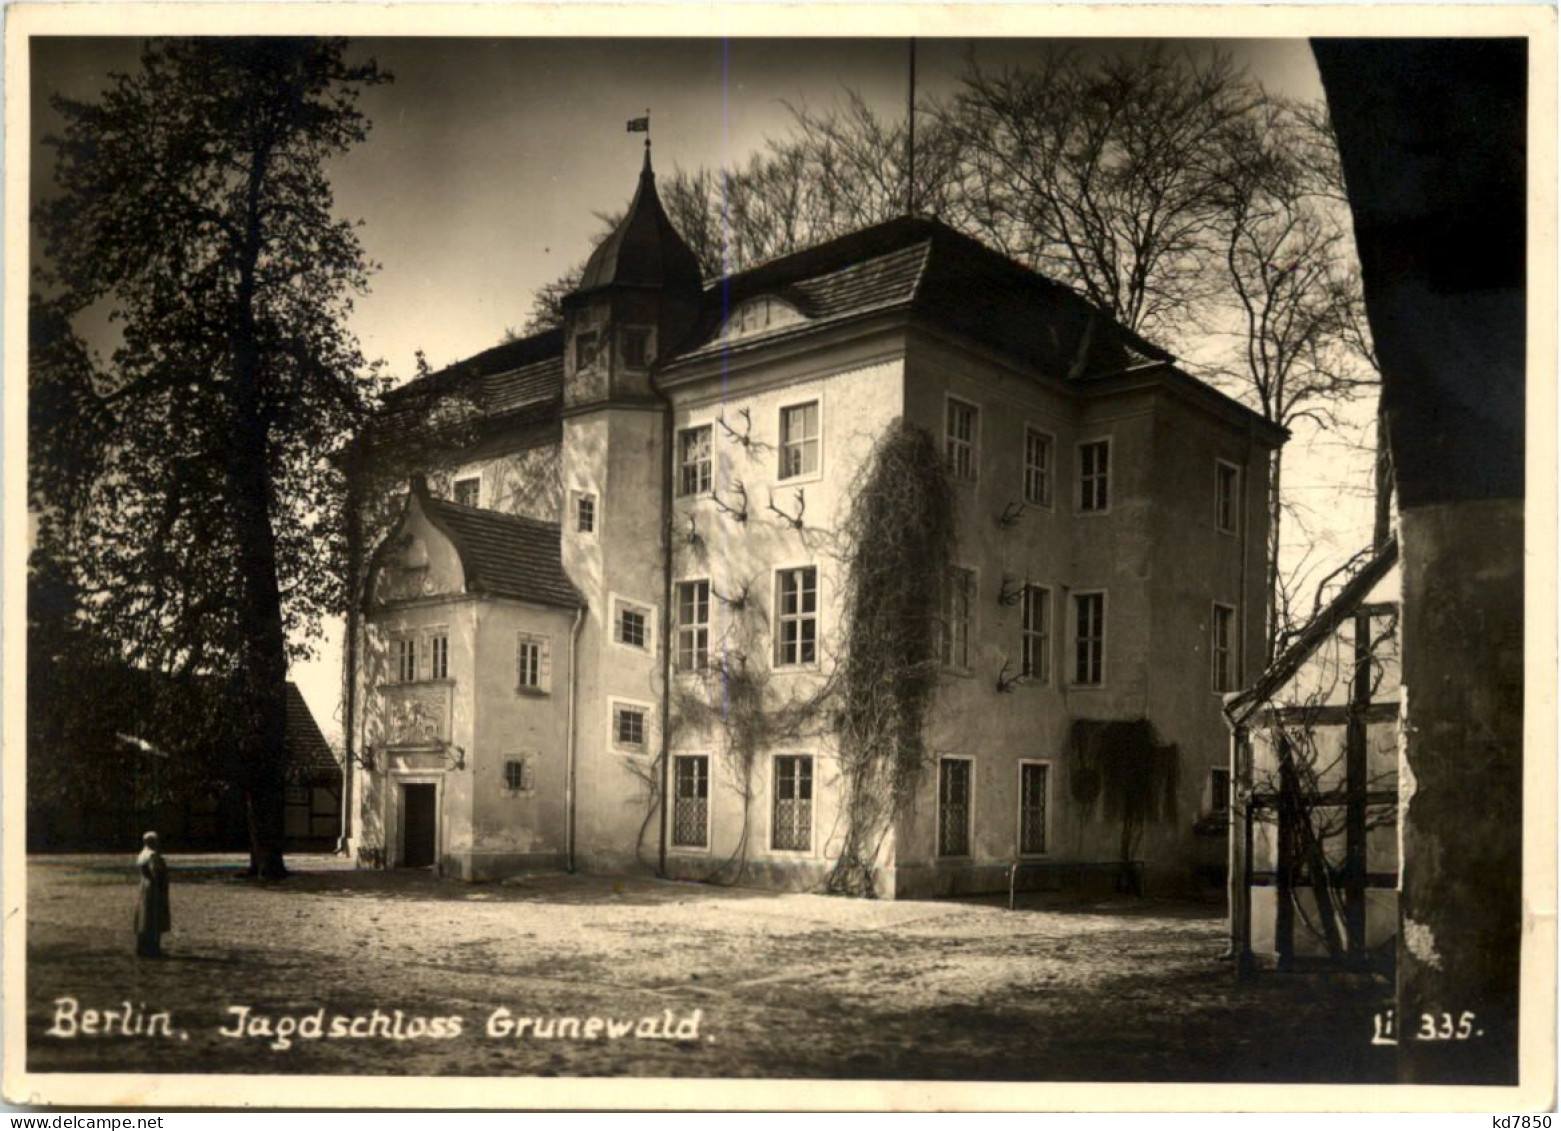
(468, 491)
(799, 440)
(631, 627)
(518, 775)
(585, 512)
(629, 726)
(694, 461)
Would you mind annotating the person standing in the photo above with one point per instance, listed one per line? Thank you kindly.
(153, 916)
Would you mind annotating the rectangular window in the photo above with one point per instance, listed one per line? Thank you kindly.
(467, 491)
(1037, 468)
(1219, 790)
(1032, 808)
(693, 625)
(694, 461)
(585, 350)
(1221, 647)
(796, 616)
(799, 440)
(1094, 474)
(1089, 638)
(518, 775)
(791, 820)
(629, 726)
(528, 662)
(1227, 490)
(959, 439)
(959, 586)
(406, 660)
(954, 807)
(636, 347)
(631, 625)
(691, 801)
(1035, 626)
(585, 512)
(440, 647)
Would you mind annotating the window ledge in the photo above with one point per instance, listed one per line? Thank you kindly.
(534, 692)
(801, 480)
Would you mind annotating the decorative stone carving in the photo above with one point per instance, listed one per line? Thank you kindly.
(417, 714)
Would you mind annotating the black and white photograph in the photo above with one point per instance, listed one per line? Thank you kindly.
(560, 558)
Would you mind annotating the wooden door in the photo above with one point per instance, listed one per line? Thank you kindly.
(418, 824)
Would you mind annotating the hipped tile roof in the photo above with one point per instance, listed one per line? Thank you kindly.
(913, 263)
(506, 555)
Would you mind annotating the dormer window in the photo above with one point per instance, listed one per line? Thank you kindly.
(760, 316)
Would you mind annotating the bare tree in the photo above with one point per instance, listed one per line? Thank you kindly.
(1101, 174)
(1300, 350)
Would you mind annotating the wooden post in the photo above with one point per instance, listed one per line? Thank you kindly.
(1355, 784)
(1284, 866)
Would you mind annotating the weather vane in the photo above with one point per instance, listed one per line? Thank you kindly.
(641, 126)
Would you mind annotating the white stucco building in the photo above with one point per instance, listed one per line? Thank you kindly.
(648, 496)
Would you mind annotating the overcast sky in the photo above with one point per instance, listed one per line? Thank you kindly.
(489, 159)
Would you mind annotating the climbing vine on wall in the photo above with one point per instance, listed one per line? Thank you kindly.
(1123, 766)
(735, 700)
(895, 543)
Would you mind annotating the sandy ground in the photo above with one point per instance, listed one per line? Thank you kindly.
(784, 985)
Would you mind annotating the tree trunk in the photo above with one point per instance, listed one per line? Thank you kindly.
(263, 642)
(355, 595)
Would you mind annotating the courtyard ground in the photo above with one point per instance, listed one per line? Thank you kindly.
(784, 985)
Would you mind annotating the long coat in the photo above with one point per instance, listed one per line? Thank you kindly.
(152, 913)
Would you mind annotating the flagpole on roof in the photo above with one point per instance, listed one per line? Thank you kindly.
(910, 138)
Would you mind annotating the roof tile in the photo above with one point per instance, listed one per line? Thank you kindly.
(506, 555)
